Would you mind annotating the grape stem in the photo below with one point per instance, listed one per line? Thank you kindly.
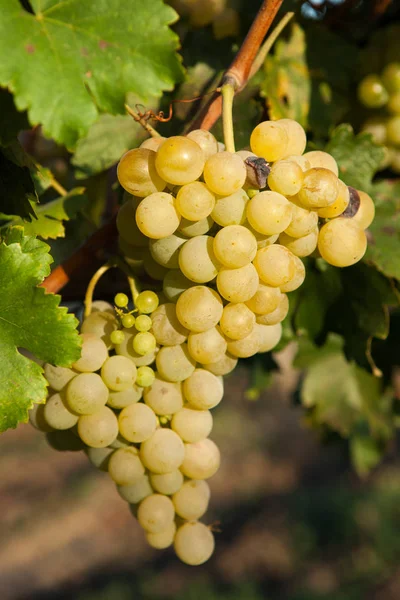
(117, 262)
(269, 42)
(228, 92)
(150, 130)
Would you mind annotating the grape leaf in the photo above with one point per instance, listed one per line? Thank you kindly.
(384, 232)
(287, 85)
(17, 189)
(11, 121)
(73, 59)
(32, 320)
(51, 216)
(358, 156)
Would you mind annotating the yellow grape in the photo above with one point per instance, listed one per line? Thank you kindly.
(179, 160)
(224, 173)
(137, 173)
(341, 242)
(275, 265)
(157, 216)
(269, 140)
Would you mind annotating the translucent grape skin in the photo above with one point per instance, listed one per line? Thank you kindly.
(164, 397)
(56, 413)
(86, 394)
(207, 346)
(191, 501)
(179, 160)
(195, 201)
(167, 483)
(269, 140)
(286, 177)
(137, 173)
(237, 321)
(166, 327)
(194, 543)
(100, 429)
(58, 377)
(125, 466)
(137, 422)
(197, 259)
(192, 425)
(93, 354)
(156, 513)
(269, 212)
(342, 243)
(238, 285)
(203, 390)
(118, 373)
(205, 140)
(157, 216)
(199, 308)
(320, 188)
(235, 246)
(137, 491)
(202, 460)
(163, 452)
(165, 251)
(275, 265)
(174, 363)
(163, 539)
(224, 173)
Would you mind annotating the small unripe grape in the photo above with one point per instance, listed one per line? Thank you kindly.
(121, 300)
(146, 302)
(371, 92)
(145, 376)
(143, 323)
(117, 337)
(144, 342)
(128, 321)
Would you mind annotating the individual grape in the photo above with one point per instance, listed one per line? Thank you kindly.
(192, 425)
(277, 315)
(237, 321)
(303, 221)
(393, 104)
(302, 246)
(321, 160)
(118, 373)
(175, 283)
(137, 172)
(58, 377)
(320, 189)
(226, 24)
(207, 346)
(235, 246)
(197, 259)
(145, 376)
(194, 201)
(191, 501)
(247, 346)
(194, 543)
(391, 77)
(366, 211)
(121, 300)
(167, 329)
(339, 206)
(224, 366)
(203, 390)
(164, 397)
(180, 160)
(205, 140)
(376, 126)
(371, 92)
(125, 466)
(298, 277)
(144, 343)
(163, 452)
(270, 140)
(99, 457)
(57, 415)
(393, 130)
(238, 285)
(194, 228)
(286, 177)
(265, 300)
(93, 355)
(302, 161)
(37, 420)
(143, 323)
(125, 398)
(270, 336)
(126, 349)
(137, 422)
(269, 212)
(162, 539)
(341, 242)
(202, 460)
(174, 363)
(137, 491)
(167, 483)
(117, 337)
(102, 306)
(157, 216)
(152, 143)
(100, 324)
(127, 226)
(199, 308)
(128, 321)
(156, 513)
(274, 265)
(224, 173)
(166, 250)
(86, 393)
(146, 302)
(153, 268)
(230, 210)
(99, 429)
(297, 139)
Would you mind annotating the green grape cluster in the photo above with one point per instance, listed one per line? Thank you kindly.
(381, 93)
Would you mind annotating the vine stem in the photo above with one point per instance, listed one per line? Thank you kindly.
(150, 130)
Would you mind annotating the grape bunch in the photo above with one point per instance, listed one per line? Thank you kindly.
(381, 94)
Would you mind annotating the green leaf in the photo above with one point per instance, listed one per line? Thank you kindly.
(17, 190)
(108, 139)
(51, 216)
(73, 59)
(42, 178)
(358, 156)
(384, 232)
(11, 121)
(32, 320)
(287, 85)
(365, 453)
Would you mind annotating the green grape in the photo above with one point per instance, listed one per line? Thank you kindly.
(297, 139)
(126, 349)
(128, 321)
(223, 366)
(146, 302)
(179, 160)
(145, 376)
(126, 397)
(335, 209)
(393, 130)
(137, 422)
(100, 324)
(163, 397)
(166, 251)
(391, 77)
(376, 126)
(99, 457)
(197, 259)
(175, 283)
(100, 429)
(371, 92)
(58, 377)
(127, 227)
(194, 543)
(230, 210)
(341, 242)
(137, 172)
(86, 393)
(118, 373)
(224, 173)
(301, 246)
(143, 323)
(157, 216)
(137, 491)
(269, 335)
(121, 300)
(117, 337)
(190, 229)
(286, 177)
(207, 346)
(247, 346)
(297, 279)
(277, 315)
(153, 143)
(166, 327)
(144, 343)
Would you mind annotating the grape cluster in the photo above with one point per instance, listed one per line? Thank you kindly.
(381, 93)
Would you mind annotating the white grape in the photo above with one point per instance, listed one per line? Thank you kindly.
(163, 452)
(237, 321)
(57, 414)
(277, 315)
(199, 308)
(174, 363)
(94, 353)
(58, 377)
(118, 373)
(162, 539)
(192, 425)
(197, 259)
(202, 459)
(223, 366)
(137, 422)
(163, 397)
(166, 327)
(203, 390)
(86, 393)
(167, 483)
(125, 398)
(235, 246)
(157, 216)
(137, 491)
(166, 250)
(269, 212)
(125, 466)
(270, 336)
(207, 346)
(194, 543)
(238, 285)
(191, 501)
(100, 429)
(156, 513)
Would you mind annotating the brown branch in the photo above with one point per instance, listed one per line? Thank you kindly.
(239, 70)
